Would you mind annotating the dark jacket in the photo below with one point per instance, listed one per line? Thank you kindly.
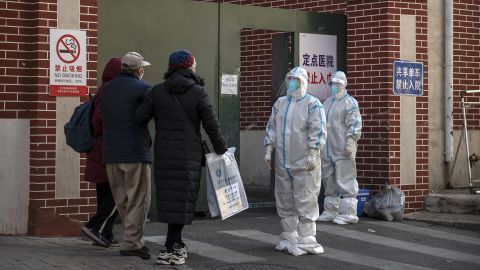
(178, 151)
(124, 140)
(95, 171)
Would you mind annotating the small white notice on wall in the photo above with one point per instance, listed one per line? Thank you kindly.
(229, 84)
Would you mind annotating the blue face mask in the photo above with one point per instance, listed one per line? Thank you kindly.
(292, 86)
(334, 89)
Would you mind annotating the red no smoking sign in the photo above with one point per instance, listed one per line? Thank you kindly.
(68, 48)
(68, 69)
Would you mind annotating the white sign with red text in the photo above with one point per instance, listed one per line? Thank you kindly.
(318, 55)
(68, 62)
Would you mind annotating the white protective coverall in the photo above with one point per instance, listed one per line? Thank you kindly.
(339, 173)
(297, 131)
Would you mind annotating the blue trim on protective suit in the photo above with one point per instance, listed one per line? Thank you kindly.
(355, 107)
(283, 135)
(328, 113)
(355, 125)
(344, 96)
(289, 173)
(302, 98)
(265, 141)
(318, 105)
(321, 124)
(267, 136)
(352, 109)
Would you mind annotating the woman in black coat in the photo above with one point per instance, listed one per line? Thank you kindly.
(178, 106)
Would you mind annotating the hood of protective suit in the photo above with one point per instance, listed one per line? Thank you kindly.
(302, 75)
(340, 79)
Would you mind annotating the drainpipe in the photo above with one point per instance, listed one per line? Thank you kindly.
(448, 81)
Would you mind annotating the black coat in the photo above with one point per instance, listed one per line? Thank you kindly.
(178, 151)
(124, 140)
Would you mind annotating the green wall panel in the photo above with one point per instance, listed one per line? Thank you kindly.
(211, 31)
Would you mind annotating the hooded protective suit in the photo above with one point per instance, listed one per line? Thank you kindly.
(344, 126)
(297, 132)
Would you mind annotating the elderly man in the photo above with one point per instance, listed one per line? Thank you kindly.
(126, 151)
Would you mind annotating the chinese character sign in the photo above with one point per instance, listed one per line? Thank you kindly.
(407, 78)
(229, 84)
(68, 68)
(318, 56)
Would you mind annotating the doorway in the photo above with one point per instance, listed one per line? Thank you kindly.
(212, 32)
(265, 57)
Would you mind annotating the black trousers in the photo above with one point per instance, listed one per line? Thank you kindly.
(174, 235)
(104, 219)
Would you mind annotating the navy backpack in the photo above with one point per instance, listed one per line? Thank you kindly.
(78, 130)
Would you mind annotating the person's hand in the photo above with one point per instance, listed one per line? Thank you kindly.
(268, 156)
(312, 159)
(349, 147)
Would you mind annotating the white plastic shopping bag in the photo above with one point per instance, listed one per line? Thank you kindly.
(225, 192)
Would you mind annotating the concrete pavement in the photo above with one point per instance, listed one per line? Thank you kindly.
(246, 242)
(450, 207)
(463, 221)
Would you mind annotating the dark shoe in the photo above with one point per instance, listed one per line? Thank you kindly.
(114, 242)
(143, 253)
(181, 249)
(111, 242)
(169, 258)
(95, 236)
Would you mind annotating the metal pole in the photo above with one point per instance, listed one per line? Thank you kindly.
(472, 91)
(448, 81)
(464, 111)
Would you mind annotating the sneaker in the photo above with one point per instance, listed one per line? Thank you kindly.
(169, 258)
(115, 243)
(95, 236)
(143, 253)
(111, 242)
(181, 249)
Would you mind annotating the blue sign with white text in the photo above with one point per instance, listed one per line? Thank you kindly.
(408, 78)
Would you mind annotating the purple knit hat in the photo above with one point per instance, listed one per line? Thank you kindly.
(181, 59)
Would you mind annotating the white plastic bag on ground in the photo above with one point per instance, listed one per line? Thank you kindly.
(225, 192)
(389, 204)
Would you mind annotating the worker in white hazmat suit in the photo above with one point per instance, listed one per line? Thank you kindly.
(296, 132)
(339, 173)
